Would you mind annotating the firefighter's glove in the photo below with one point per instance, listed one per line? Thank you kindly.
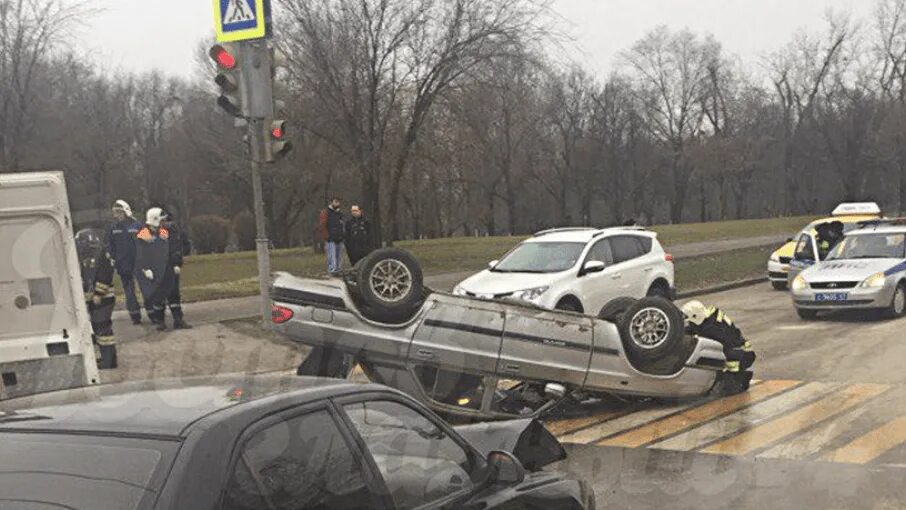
(96, 299)
(148, 274)
(176, 269)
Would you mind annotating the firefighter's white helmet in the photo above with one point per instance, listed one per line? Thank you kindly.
(154, 216)
(122, 205)
(696, 312)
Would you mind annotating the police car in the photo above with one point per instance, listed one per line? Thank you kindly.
(867, 270)
(782, 265)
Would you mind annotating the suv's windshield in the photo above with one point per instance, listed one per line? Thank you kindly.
(544, 257)
(45, 471)
(870, 246)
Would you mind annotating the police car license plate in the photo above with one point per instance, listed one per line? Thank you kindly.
(833, 296)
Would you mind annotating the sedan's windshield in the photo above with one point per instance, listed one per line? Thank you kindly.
(548, 257)
(870, 246)
(44, 471)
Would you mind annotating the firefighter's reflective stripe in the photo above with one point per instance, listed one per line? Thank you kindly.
(731, 366)
(105, 339)
(747, 347)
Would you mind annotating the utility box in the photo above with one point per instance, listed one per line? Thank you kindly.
(45, 333)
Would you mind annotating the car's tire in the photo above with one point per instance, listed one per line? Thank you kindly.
(569, 304)
(613, 311)
(897, 306)
(390, 284)
(779, 285)
(807, 315)
(651, 329)
(659, 289)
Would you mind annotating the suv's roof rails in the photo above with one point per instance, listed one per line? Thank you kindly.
(564, 229)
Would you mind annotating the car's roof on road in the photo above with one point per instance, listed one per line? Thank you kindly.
(164, 407)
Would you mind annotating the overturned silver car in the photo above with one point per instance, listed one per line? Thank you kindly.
(489, 359)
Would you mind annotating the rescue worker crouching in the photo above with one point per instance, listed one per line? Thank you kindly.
(97, 280)
(714, 324)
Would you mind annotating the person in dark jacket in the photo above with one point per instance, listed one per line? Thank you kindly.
(179, 246)
(331, 225)
(152, 265)
(359, 241)
(121, 247)
(713, 323)
(97, 270)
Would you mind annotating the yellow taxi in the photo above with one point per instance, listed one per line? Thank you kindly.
(850, 214)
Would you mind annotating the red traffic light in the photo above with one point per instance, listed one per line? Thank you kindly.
(278, 129)
(223, 57)
(277, 133)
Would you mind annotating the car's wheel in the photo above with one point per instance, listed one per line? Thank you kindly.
(390, 283)
(897, 306)
(569, 304)
(779, 285)
(651, 329)
(614, 310)
(807, 315)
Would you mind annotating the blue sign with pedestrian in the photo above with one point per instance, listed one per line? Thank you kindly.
(239, 20)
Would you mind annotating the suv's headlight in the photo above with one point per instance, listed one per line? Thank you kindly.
(775, 258)
(799, 283)
(530, 294)
(874, 281)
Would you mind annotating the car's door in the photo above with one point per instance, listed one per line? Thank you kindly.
(421, 461)
(805, 255)
(597, 289)
(304, 458)
(629, 270)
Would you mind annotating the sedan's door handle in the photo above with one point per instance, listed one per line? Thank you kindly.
(649, 269)
(424, 353)
(616, 277)
(509, 367)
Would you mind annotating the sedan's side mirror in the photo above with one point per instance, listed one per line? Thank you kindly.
(505, 468)
(492, 263)
(790, 240)
(593, 266)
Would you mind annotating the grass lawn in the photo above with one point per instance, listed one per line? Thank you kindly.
(235, 274)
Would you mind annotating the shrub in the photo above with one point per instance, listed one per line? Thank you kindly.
(210, 233)
(244, 229)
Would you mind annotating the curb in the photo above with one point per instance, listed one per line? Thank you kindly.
(723, 287)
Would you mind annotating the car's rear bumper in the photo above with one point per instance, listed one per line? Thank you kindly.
(855, 299)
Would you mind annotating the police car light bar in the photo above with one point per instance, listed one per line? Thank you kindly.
(857, 208)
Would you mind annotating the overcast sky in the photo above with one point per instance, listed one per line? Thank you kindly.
(138, 35)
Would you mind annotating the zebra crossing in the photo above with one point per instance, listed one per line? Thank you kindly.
(853, 423)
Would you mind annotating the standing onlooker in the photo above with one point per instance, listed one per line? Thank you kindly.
(179, 246)
(359, 242)
(331, 226)
(121, 247)
(152, 265)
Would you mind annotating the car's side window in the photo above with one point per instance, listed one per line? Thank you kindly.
(804, 250)
(625, 248)
(302, 462)
(419, 462)
(601, 252)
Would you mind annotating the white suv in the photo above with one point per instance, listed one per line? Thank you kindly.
(577, 269)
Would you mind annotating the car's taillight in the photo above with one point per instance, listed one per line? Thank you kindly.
(280, 314)
(668, 257)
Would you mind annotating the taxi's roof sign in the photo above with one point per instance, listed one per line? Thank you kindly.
(857, 208)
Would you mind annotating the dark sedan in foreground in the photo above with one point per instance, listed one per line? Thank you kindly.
(267, 442)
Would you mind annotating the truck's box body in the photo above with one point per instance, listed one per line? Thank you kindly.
(45, 333)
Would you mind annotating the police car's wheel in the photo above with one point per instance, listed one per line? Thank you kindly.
(651, 329)
(897, 306)
(390, 283)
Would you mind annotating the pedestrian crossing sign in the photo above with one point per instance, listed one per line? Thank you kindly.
(239, 20)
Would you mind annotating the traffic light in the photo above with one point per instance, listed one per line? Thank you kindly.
(276, 145)
(228, 79)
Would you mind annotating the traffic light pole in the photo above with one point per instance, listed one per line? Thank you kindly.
(257, 141)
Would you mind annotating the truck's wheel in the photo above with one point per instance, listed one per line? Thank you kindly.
(614, 310)
(651, 328)
(390, 283)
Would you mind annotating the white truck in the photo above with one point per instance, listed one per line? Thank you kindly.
(45, 333)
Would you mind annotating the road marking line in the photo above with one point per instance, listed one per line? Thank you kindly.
(607, 428)
(696, 416)
(789, 424)
(744, 419)
(571, 425)
(872, 445)
(811, 443)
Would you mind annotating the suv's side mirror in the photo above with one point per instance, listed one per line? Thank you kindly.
(593, 266)
(492, 263)
(505, 468)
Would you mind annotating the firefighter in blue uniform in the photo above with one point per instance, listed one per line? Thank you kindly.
(714, 324)
(97, 282)
(121, 247)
